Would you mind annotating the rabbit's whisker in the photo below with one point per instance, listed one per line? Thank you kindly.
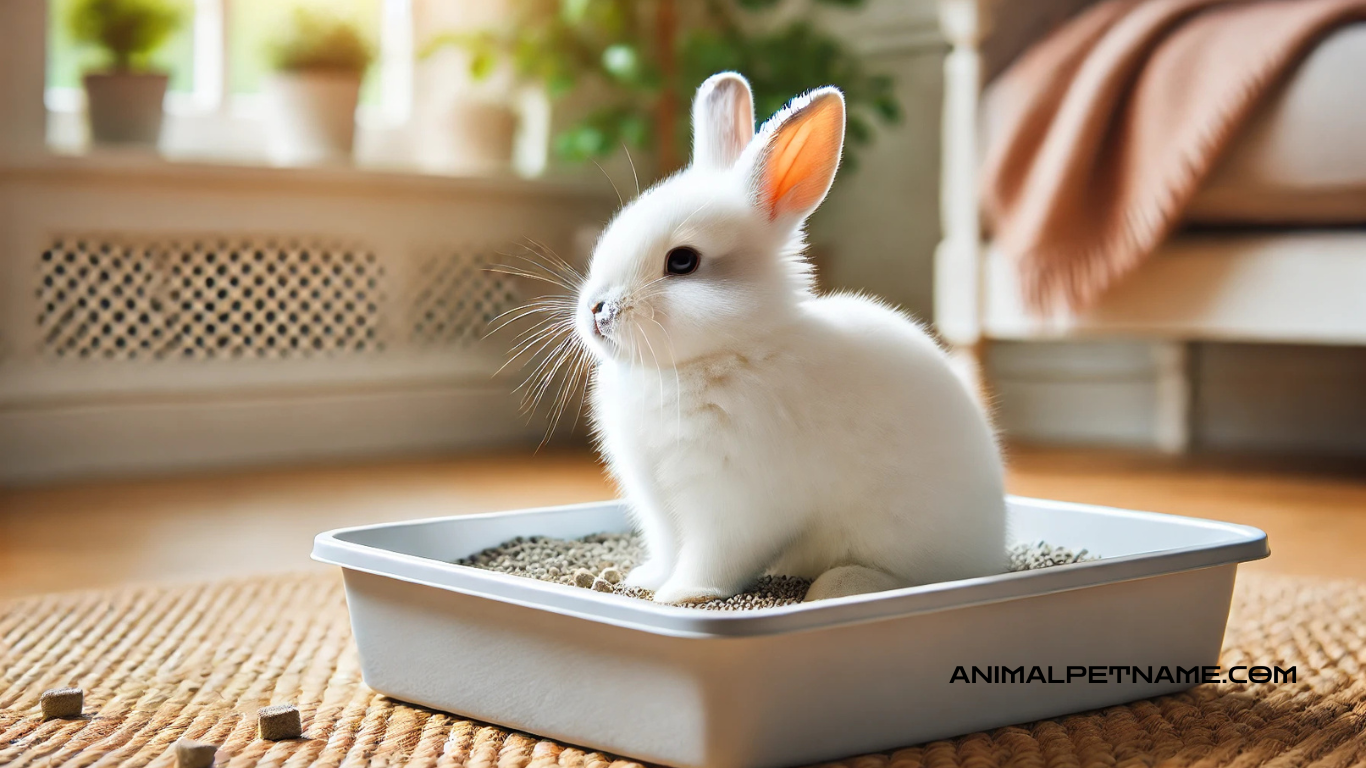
(678, 385)
(557, 267)
(505, 319)
(535, 345)
(505, 269)
(545, 372)
(549, 272)
(587, 378)
(621, 202)
(568, 387)
(556, 345)
(684, 223)
(549, 253)
(630, 160)
(659, 372)
(564, 354)
(541, 323)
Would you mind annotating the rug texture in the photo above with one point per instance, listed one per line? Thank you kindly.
(158, 663)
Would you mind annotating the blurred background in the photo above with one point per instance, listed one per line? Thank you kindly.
(244, 293)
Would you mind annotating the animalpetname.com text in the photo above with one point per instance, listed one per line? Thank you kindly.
(1000, 673)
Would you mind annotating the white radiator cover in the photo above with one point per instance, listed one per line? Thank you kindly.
(158, 316)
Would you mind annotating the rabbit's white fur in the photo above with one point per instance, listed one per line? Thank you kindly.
(752, 425)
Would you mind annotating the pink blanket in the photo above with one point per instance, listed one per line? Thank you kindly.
(1108, 127)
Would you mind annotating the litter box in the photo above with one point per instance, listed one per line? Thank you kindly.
(788, 685)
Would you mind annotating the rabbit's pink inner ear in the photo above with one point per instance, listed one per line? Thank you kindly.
(803, 156)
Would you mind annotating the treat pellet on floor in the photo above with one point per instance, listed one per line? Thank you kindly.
(279, 722)
(64, 703)
(194, 754)
(600, 561)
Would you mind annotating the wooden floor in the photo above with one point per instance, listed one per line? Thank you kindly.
(106, 533)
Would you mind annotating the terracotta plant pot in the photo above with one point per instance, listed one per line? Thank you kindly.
(312, 116)
(125, 107)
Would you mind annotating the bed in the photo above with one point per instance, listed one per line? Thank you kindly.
(1273, 249)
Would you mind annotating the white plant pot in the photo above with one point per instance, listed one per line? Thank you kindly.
(470, 136)
(125, 107)
(312, 117)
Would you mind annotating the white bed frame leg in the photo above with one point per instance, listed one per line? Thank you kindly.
(958, 259)
(1172, 413)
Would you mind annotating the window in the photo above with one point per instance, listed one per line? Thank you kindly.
(218, 61)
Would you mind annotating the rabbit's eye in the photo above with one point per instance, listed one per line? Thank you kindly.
(682, 260)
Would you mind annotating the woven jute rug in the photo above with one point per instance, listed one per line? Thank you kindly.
(159, 663)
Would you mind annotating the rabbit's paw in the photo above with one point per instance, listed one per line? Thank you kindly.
(650, 575)
(677, 593)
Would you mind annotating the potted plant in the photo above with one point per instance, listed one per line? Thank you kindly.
(465, 125)
(124, 102)
(644, 60)
(319, 59)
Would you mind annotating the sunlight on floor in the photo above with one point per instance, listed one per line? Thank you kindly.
(100, 534)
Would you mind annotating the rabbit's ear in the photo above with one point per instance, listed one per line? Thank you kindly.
(722, 120)
(797, 153)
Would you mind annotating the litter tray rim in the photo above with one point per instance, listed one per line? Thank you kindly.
(1245, 544)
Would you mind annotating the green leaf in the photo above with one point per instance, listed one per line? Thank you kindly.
(482, 64)
(443, 40)
(858, 129)
(563, 44)
(635, 130)
(128, 32)
(621, 62)
(321, 38)
(581, 142)
(888, 108)
(559, 84)
(574, 11)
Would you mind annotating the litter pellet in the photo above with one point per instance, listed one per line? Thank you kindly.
(278, 722)
(62, 702)
(194, 754)
(1027, 557)
(574, 561)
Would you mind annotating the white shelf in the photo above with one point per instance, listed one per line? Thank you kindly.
(124, 164)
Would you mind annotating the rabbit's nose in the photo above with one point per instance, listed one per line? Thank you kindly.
(604, 312)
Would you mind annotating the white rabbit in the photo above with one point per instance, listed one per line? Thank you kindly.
(752, 425)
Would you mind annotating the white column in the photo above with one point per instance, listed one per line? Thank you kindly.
(396, 61)
(958, 268)
(210, 54)
(23, 77)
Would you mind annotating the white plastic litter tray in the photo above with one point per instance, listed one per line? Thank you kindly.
(789, 685)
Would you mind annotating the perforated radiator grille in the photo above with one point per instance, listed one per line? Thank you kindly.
(456, 297)
(134, 298)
